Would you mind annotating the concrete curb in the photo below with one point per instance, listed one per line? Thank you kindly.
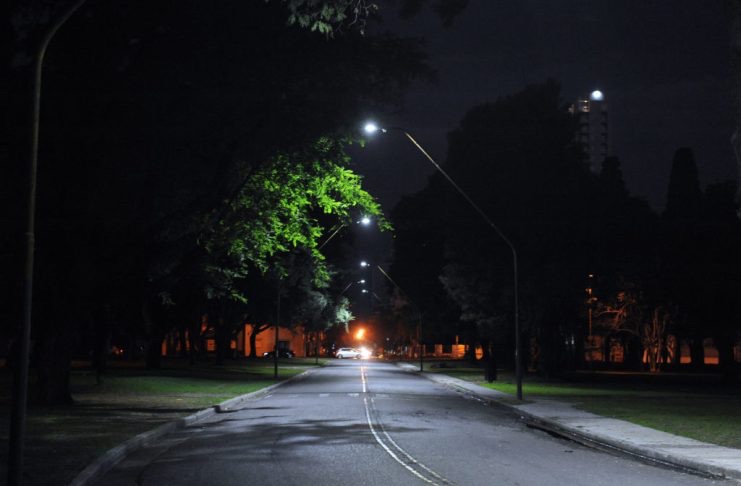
(643, 454)
(110, 458)
(599, 441)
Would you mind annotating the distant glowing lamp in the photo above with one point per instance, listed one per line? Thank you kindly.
(364, 264)
(365, 220)
(596, 95)
(371, 127)
(360, 334)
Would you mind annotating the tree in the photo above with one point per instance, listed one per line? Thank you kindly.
(327, 16)
(419, 239)
(152, 130)
(720, 235)
(683, 198)
(681, 251)
(621, 261)
(735, 44)
(517, 159)
(653, 338)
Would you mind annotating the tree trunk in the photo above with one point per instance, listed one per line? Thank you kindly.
(153, 353)
(697, 352)
(491, 363)
(53, 360)
(193, 334)
(222, 336)
(254, 331)
(633, 352)
(606, 350)
(102, 340)
(726, 363)
(253, 341)
(549, 352)
(579, 352)
(183, 341)
(153, 358)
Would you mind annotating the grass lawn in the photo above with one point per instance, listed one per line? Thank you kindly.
(130, 400)
(705, 412)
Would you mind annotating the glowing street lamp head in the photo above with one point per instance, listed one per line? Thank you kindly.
(365, 220)
(596, 95)
(370, 127)
(364, 264)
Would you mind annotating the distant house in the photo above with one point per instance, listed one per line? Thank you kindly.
(295, 340)
(452, 351)
(299, 341)
(291, 339)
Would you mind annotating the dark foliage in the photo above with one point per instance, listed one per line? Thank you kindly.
(153, 117)
(572, 230)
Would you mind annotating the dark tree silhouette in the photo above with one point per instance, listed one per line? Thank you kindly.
(154, 116)
(683, 200)
(682, 252)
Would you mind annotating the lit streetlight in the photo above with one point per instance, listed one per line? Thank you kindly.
(364, 265)
(371, 128)
(365, 221)
(347, 287)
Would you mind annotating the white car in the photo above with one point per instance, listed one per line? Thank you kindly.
(347, 353)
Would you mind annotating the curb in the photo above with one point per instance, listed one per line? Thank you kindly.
(590, 440)
(642, 454)
(110, 458)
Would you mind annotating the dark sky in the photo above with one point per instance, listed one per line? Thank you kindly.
(663, 66)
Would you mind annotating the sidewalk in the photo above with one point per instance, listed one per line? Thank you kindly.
(607, 433)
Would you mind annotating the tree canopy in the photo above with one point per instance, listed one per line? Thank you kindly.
(189, 152)
(584, 244)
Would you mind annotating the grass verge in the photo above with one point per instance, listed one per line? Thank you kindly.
(703, 411)
(129, 400)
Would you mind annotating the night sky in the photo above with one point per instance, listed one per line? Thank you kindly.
(663, 66)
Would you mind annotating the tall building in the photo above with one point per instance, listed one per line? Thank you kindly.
(592, 131)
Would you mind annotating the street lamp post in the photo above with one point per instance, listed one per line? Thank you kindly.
(372, 128)
(20, 384)
(347, 287)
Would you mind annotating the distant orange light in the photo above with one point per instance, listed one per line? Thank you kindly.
(360, 333)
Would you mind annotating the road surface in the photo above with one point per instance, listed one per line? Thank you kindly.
(370, 423)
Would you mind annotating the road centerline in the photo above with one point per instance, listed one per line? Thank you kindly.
(407, 461)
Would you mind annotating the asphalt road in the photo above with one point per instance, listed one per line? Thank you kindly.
(370, 423)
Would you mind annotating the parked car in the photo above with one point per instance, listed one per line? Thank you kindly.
(347, 353)
(282, 353)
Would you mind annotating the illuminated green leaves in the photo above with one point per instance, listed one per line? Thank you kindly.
(276, 211)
